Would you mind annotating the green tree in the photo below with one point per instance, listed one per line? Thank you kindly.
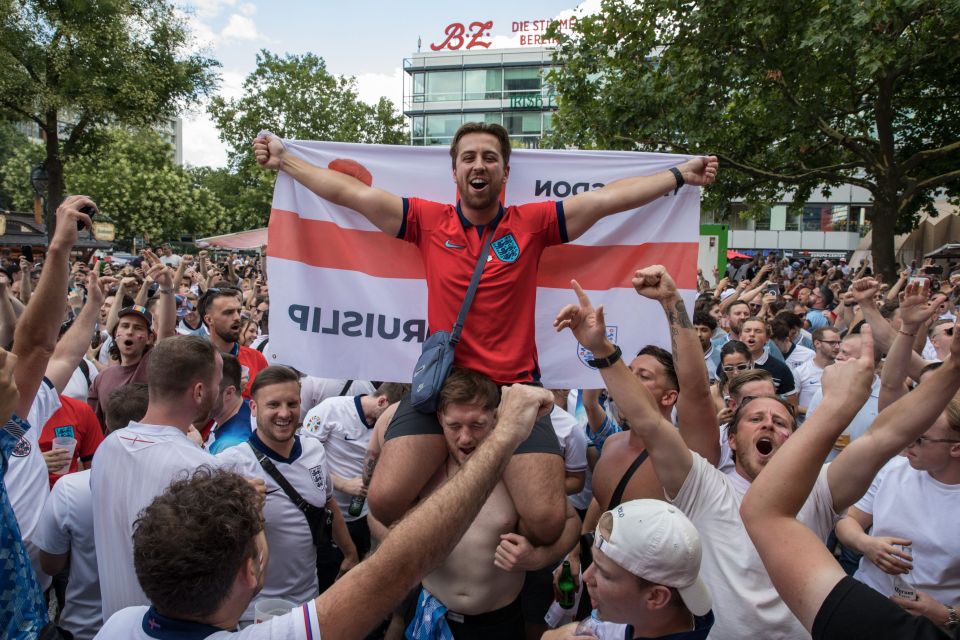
(74, 67)
(294, 97)
(133, 180)
(789, 95)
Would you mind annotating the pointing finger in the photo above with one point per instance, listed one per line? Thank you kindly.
(581, 295)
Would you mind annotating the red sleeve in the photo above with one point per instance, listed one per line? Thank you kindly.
(545, 219)
(90, 434)
(410, 226)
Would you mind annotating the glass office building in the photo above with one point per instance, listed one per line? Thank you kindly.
(444, 89)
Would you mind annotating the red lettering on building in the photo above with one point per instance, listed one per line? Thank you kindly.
(456, 36)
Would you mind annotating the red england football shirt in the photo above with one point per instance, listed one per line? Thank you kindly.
(74, 419)
(499, 336)
(251, 363)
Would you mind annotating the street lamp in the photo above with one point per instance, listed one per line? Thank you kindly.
(39, 180)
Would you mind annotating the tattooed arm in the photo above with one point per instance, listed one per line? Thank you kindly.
(696, 413)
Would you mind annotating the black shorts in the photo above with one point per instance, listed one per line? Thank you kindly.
(407, 421)
(537, 595)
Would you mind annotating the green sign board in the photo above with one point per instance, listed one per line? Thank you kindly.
(532, 101)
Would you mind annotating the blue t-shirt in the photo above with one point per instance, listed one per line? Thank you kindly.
(234, 431)
(23, 611)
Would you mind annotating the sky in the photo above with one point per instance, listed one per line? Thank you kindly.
(364, 38)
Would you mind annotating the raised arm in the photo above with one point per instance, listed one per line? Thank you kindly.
(799, 565)
(426, 535)
(583, 210)
(75, 342)
(383, 209)
(671, 458)
(26, 284)
(883, 333)
(696, 412)
(897, 426)
(166, 305)
(36, 336)
(8, 317)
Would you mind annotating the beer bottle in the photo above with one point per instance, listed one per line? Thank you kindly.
(356, 506)
(568, 591)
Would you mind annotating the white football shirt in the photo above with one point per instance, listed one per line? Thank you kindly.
(66, 526)
(573, 440)
(28, 483)
(292, 568)
(340, 425)
(143, 623)
(131, 467)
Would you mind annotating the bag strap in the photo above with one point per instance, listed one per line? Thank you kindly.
(472, 289)
(346, 387)
(288, 489)
(617, 496)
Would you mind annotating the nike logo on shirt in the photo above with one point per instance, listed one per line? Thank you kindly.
(450, 245)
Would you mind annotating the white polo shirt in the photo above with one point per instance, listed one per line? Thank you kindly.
(907, 503)
(339, 424)
(28, 483)
(292, 569)
(131, 467)
(144, 623)
(66, 526)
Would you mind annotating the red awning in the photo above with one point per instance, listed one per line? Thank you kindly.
(731, 255)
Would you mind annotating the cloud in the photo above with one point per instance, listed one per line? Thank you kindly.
(372, 86)
(206, 9)
(248, 9)
(201, 142)
(240, 28)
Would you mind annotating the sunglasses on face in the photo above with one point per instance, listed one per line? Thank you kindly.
(728, 368)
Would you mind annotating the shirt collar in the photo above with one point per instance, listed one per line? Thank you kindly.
(235, 349)
(763, 358)
(467, 224)
(258, 444)
(701, 628)
(363, 418)
(161, 627)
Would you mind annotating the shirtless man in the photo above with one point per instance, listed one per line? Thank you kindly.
(478, 585)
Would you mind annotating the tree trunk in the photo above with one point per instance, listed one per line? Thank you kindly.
(54, 167)
(883, 224)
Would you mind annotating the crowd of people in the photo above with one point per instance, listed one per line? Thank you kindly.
(789, 468)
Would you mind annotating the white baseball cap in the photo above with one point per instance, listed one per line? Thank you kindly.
(653, 540)
(726, 293)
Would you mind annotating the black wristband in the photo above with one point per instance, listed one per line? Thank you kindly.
(679, 177)
(603, 363)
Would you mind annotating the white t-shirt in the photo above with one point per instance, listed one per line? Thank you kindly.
(861, 422)
(78, 385)
(745, 603)
(573, 440)
(66, 526)
(133, 623)
(339, 424)
(315, 390)
(292, 570)
(131, 467)
(799, 355)
(907, 503)
(808, 380)
(28, 484)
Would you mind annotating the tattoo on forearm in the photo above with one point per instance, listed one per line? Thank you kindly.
(369, 464)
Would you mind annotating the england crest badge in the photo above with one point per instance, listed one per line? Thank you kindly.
(585, 354)
(506, 248)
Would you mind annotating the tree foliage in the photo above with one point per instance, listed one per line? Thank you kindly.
(75, 67)
(134, 182)
(791, 96)
(294, 97)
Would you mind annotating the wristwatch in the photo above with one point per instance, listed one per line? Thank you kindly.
(603, 363)
(953, 620)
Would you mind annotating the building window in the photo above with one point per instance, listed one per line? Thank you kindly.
(522, 79)
(417, 128)
(548, 122)
(441, 127)
(522, 123)
(817, 218)
(418, 86)
(444, 86)
(482, 84)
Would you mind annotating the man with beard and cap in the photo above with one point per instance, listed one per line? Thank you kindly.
(219, 309)
(135, 335)
(450, 238)
(134, 465)
(746, 602)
